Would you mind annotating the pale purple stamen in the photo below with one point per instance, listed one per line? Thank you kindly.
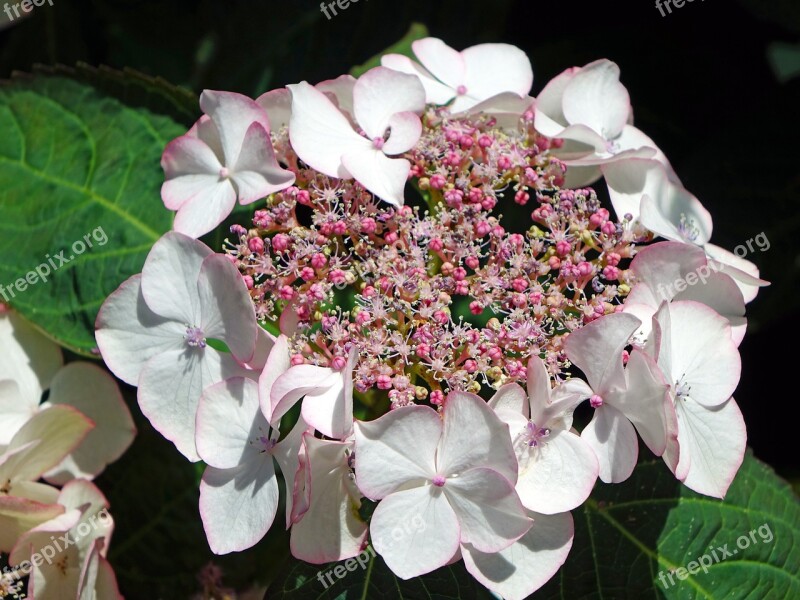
(438, 481)
(688, 230)
(378, 142)
(224, 173)
(596, 401)
(534, 434)
(461, 90)
(195, 337)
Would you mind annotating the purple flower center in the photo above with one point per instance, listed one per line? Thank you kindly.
(438, 481)
(461, 90)
(195, 337)
(535, 435)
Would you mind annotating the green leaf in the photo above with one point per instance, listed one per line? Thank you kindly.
(417, 31)
(76, 168)
(134, 89)
(625, 536)
(629, 534)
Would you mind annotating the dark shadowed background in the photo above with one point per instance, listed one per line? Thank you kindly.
(716, 84)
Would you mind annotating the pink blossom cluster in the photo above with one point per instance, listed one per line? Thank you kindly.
(382, 330)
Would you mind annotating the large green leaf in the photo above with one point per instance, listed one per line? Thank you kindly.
(75, 163)
(629, 534)
(626, 536)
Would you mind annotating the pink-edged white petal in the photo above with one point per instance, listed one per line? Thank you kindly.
(57, 431)
(489, 512)
(319, 133)
(287, 454)
(519, 570)
(129, 334)
(278, 362)
(238, 505)
(233, 114)
(442, 61)
(596, 98)
(675, 214)
(744, 273)
(474, 436)
(206, 209)
(226, 309)
(697, 354)
(229, 419)
(415, 531)
(15, 411)
(106, 585)
(265, 342)
(597, 350)
(169, 277)
(340, 90)
(295, 383)
(18, 515)
(383, 176)
(613, 439)
(331, 529)
(29, 358)
(558, 475)
(278, 105)
(397, 448)
(405, 128)
(511, 398)
(492, 69)
(257, 173)
(187, 162)
(381, 93)
(712, 441)
(549, 116)
(564, 399)
(646, 400)
(330, 411)
(507, 108)
(96, 395)
(435, 91)
(170, 388)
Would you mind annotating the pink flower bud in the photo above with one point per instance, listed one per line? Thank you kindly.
(281, 242)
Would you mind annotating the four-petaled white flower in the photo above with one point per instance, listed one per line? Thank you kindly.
(457, 472)
(386, 108)
(625, 399)
(557, 468)
(239, 490)
(590, 109)
(154, 331)
(227, 155)
(469, 77)
(700, 361)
